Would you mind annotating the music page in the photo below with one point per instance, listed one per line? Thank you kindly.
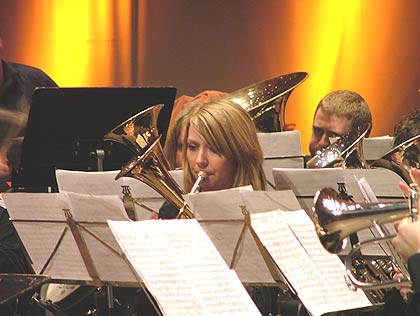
(182, 268)
(316, 275)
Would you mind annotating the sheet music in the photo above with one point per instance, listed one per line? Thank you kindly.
(220, 204)
(280, 144)
(249, 264)
(176, 259)
(100, 183)
(316, 275)
(375, 147)
(96, 208)
(43, 213)
(147, 200)
(372, 233)
(263, 201)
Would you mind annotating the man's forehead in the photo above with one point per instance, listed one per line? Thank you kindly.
(331, 122)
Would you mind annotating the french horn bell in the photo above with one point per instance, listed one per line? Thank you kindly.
(138, 132)
(149, 169)
(149, 164)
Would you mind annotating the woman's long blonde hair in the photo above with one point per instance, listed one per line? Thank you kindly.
(229, 129)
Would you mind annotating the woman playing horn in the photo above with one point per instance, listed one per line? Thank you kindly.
(176, 131)
(221, 141)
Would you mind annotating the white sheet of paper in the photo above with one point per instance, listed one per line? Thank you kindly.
(67, 263)
(217, 204)
(280, 144)
(176, 259)
(316, 275)
(104, 183)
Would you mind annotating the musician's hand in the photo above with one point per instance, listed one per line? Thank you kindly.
(404, 290)
(153, 215)
(407, 241)
(415, 175)
(5, 168)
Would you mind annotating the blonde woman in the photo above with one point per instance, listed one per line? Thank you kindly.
(221, 140)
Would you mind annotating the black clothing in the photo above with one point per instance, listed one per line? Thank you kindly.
(168, 211)
(413, 306)
(18, 85)
(19, 82)
(394, 304)
(384, 163)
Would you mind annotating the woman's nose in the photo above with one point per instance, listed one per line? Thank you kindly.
(202, 159)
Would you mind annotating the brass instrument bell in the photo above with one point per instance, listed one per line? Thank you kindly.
(139, 131)
(408, 156)
(336, 219)
(149, 169)
(149, 165)
(265, 101)
(347, 150)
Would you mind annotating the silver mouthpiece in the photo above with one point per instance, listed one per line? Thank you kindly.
(200, 177)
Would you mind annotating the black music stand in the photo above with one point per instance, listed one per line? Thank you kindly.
(66, 126)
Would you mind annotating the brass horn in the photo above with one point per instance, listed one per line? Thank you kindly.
(139, 131)
(401, 158)
(266, 100)
(149, 169)
(335, 220)
(150, 165)
(347, 150)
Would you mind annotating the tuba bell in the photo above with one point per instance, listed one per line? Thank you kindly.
(265, 101)
(347, 151)
(336, 219)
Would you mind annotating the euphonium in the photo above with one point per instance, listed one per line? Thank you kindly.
(265, 101)
(336, 219)
(347, 150)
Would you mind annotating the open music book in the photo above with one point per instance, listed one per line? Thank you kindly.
(182, 269)
(288, 234)
(316, 276)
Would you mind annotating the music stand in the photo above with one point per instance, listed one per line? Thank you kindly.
(139, 199)
(280, 150)
(376, 147)
(66, 126)
(226, 224)
(73, 243)
(306, 182)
